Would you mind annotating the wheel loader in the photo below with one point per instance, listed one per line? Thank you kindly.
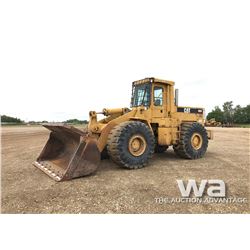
(129, 137)
(212, 123)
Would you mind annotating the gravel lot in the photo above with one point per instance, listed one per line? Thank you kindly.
(112, 189)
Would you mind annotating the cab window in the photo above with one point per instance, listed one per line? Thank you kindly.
(158, 96)
(141, 95)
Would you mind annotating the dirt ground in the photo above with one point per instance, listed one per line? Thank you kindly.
(26, 189)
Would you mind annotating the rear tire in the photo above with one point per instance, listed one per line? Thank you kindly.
(131, 144)
(193, 141)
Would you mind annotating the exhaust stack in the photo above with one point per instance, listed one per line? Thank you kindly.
(176, 97)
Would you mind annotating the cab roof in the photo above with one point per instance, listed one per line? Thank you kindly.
(151, 80)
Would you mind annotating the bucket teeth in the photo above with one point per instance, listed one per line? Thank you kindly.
(47, 171)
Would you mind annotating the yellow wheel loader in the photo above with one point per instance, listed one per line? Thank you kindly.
(128, 136)
(212, 123)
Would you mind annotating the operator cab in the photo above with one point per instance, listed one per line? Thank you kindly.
(142, 92)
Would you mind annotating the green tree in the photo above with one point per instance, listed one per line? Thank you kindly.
(239, 115)
(247, 113)
(228, 112)
(217, 114)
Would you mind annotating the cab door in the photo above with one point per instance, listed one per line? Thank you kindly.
(159, 101)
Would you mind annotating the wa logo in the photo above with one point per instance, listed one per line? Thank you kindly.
(214, 188)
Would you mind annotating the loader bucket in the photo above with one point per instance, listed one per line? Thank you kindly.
(69, 153)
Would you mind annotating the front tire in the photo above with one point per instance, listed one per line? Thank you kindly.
(193, 141)
(131, 144)
(104, 154)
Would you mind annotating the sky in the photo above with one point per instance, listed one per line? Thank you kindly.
(61, 59)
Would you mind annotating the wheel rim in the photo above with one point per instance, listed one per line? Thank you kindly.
(137, 145)
(196, 141)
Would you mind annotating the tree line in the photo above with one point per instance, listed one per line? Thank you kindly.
(9, 119)
(230, 114)
(15, 120)
(76, 121)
